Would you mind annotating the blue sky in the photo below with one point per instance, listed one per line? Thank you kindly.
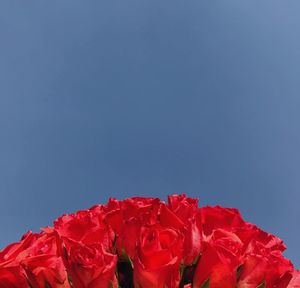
(122, 98)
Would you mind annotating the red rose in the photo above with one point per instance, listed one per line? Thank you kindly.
(219, 261)
(263, 265)
(218, 217)
(42, 261)
(45, 243)
(250, 233)
(158, 260)
(14, 252)
(137, 207)
(187, 210)
(88, 242)
(86, 227)
(12, 277)
(183, 206)
(91, 266)
(38, 257)
(126, 218)
(46, 269)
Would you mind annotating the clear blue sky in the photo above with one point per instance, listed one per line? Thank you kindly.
(121, 98)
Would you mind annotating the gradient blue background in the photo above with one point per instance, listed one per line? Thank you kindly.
(121, 98)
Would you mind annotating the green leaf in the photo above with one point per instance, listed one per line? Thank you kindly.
(196, 260)
(181, 269)
(205, 284)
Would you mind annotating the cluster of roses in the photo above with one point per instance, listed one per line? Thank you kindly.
(147, 243)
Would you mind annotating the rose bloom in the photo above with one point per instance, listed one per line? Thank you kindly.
(256, 260)
(219, 261)
(187, 210)
(44, 263)
(158, 258)
(88, 244)
(87, 227)
(12, 277)
(46, 270)
(126, 218)
(91, 266)
(12, 254)
(263, 265)
(36, 259)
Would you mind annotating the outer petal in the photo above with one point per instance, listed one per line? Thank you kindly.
(91, 267)
(220, 218)
(187, 210)
(295, 282)
(46, 269)
(218, 265)
(160, 277)
(12, 277)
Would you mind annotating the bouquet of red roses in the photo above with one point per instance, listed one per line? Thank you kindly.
(147, 243)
